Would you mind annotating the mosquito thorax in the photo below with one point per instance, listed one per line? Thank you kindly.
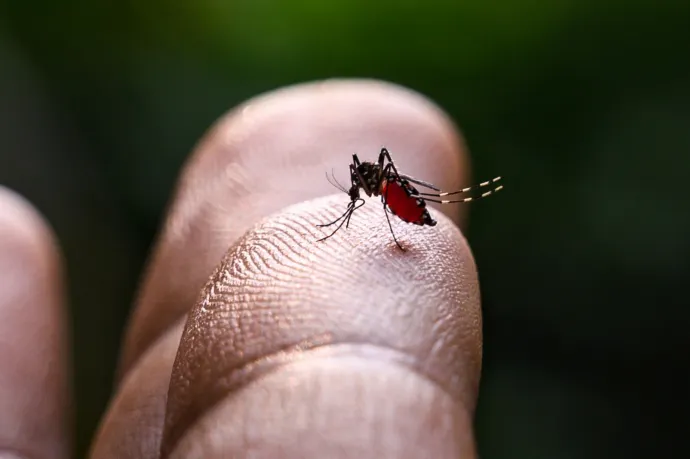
(370, 174)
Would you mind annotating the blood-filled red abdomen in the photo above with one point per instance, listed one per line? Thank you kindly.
(402, 205)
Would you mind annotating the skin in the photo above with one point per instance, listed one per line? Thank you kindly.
(248, 339)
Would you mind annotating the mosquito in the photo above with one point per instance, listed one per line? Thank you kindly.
(398, 195)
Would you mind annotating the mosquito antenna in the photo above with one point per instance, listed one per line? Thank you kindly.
(347, 225)
(347, 211)
(473, 198)
(335, 184)
(465, 190)
(336, 181)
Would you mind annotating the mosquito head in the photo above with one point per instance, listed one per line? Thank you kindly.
(353, 193)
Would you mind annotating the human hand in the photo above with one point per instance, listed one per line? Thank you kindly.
(342, 348)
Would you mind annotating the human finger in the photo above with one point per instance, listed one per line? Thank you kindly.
(271, 152)
(34, 367)
(268, 153)
(349, 348)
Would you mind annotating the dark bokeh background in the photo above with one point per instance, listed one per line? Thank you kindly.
(584, 107)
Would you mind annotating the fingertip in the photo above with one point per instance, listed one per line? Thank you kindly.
(279, 296)
(24, 227)
(34, 390)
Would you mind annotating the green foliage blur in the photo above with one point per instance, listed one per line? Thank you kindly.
(583, 107)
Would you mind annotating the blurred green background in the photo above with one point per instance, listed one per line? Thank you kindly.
(584, 107)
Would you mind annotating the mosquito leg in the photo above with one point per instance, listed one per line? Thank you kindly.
(348, 213)
(409, 191)
(347, 225)
(349, 209)
(474, 198)
(385, 200)
(382, 156)
(385, 174)
(391, 228)
(465, 190)
(420, 182)
(383, 177)
(385, 155)
(344, 217)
